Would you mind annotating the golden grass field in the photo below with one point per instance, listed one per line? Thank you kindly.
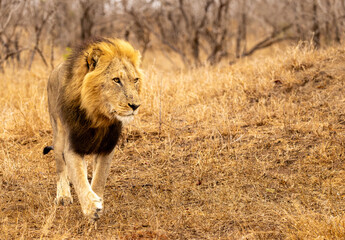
(254, 150)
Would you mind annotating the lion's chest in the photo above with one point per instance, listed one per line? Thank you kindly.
(95, 140)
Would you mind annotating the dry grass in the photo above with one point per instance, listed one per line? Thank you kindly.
(250, 151)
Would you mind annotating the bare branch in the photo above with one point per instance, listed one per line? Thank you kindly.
(10, 54)
(7, 21)
(268, 41)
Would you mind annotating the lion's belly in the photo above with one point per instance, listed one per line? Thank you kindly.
(95, 140)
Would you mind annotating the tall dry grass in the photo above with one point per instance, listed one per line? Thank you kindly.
(249, 151)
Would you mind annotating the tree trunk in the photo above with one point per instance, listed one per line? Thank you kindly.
(87, 19)
(316, 26)
(241, 40)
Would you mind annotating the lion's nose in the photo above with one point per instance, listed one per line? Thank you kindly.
(134, 106)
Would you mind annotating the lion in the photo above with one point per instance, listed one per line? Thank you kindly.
(90, 97)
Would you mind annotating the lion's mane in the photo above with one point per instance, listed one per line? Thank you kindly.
(90, 130)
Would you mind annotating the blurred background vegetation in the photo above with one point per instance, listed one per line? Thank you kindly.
(197, 31)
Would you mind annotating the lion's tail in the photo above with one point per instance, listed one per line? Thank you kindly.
(47, 149)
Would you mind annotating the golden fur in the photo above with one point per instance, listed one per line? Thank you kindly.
(90, 96)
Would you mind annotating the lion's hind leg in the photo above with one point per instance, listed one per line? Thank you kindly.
(63, 192)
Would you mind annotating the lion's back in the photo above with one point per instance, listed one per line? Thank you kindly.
(55, 82)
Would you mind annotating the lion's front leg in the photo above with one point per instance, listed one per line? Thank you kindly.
(91, 204)
(101, 167)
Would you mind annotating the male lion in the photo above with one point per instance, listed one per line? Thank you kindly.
(90, 96)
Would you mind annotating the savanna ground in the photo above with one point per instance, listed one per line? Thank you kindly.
(254, 150)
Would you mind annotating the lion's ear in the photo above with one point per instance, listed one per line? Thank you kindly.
(92, 58)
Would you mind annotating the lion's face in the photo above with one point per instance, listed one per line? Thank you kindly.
(120, 90)
(110, 89)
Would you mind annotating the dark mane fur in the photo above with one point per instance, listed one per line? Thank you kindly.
(85, 139)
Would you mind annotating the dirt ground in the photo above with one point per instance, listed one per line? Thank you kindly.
(254, 150)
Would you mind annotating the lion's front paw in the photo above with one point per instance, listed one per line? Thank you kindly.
(92, 206)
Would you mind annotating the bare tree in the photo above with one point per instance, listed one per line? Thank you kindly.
(186, 27)
(93, 17)
(217, 30)
(41, 13)
(87, 20)
(199, 31)
(137, 27)
(11, 14)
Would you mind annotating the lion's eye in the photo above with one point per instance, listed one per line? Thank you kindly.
(117, 80)
(136, 80)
